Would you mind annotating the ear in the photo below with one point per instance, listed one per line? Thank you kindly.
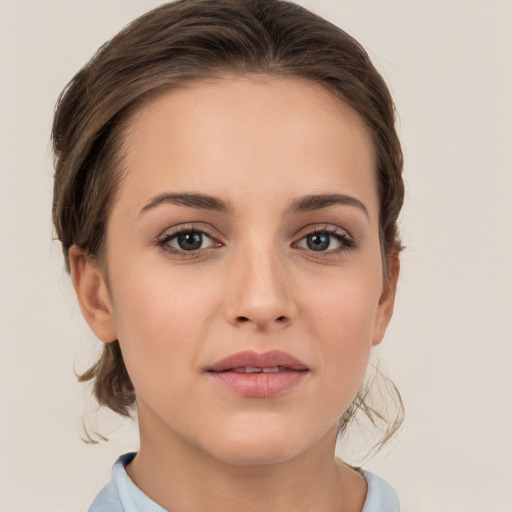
(92, 294)
(387, 299)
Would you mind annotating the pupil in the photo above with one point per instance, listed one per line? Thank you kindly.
(318, 242)
(190, 241)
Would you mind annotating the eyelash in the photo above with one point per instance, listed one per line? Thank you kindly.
(345, 241)
(164, 241)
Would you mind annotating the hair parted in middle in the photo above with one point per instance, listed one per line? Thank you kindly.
(173, 46)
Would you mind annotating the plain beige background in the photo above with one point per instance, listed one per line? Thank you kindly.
(449, 348)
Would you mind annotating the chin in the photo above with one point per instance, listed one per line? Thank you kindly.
(244, 455)
(254, 447)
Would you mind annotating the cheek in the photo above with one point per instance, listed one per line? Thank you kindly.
(162, 319)
(151, 298)
(345, 306)
(342, 317)
(151, 316)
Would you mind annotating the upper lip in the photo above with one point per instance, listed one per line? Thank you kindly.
(269, 359)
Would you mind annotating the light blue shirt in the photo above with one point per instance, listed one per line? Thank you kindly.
(122, 495)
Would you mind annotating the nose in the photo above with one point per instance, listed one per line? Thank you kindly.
(260, 292)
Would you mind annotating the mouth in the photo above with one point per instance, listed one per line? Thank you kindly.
(254, 362)
(258, 375)
(257, 369)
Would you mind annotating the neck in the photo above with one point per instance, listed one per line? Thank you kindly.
(179, 476)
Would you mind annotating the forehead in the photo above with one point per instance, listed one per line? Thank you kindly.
(242, 135)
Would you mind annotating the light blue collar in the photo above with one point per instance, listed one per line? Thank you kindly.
(122, 495)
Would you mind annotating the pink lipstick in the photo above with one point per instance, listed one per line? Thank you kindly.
(258, 375)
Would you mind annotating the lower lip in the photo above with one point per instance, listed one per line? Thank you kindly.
(259, 385)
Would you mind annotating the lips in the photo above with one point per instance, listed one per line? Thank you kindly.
(258, 375)
(250, 359)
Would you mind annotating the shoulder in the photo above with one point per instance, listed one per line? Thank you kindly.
(121, 494)
(107, 500)
(381, 497)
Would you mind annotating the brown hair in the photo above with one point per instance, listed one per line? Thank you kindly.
(176, 44)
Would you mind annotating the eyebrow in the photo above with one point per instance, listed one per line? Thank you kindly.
(190, 199)
(319, 201)
(302, 204)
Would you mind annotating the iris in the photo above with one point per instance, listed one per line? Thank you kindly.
(318, 242)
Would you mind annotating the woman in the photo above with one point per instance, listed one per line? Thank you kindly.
(227, 187)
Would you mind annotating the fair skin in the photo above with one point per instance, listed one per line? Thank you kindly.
(262, 269)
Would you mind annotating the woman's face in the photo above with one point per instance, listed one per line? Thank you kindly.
(245, 282)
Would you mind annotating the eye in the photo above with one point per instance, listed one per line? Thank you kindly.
(187, 240)
(326, 240)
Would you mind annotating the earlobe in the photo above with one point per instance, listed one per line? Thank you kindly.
(92, 294)
(387, 299)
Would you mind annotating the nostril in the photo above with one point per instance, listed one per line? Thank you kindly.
(244, 319)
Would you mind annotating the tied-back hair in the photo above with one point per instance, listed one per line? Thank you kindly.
(175, 45)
